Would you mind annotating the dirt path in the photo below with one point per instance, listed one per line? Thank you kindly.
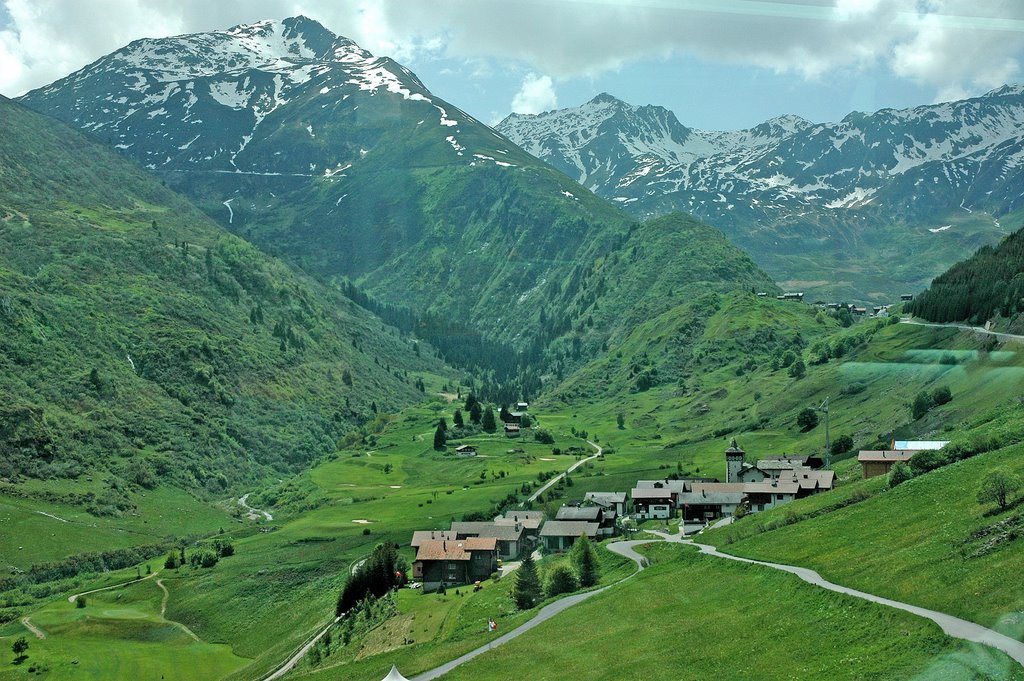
(33, 628)
(163, 601)
(571, 468)
(73, 598)
(965, 327)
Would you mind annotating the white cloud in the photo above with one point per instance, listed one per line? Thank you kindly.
(946, 44)
(537, 94)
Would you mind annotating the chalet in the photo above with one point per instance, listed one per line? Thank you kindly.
(906, 296)
(763, 496)
(791, 296)
(509, 537)
(560, 535)
(463, 561)
(522, 406)
(615, 501)
(653, 502)
(710, 500)
(762, 294)
(512, 430)
(530, 521)
(605, 518)
(879, 462)
(859, 310)
(420, 536)
(465, 450)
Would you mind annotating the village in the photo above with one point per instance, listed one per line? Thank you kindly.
(469, 552)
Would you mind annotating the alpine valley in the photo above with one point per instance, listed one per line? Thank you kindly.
(293, 351)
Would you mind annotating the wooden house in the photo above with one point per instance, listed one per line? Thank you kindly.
(880, 462)
(462, 561)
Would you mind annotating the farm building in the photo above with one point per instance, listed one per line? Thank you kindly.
(615, 501)
(465, 450)
(880, 462)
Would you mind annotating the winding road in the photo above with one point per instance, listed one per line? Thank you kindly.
(965, 327)
(952, 626)
(571, 468)
(73, 598)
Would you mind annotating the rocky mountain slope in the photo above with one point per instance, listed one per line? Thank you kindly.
(932, 181)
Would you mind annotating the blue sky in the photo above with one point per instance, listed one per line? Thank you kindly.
(718, 64)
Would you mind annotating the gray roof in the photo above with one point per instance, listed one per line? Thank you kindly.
(579, 513)
(712, 498)
(483, 529)
(568, 528)
(419, 536)
(606, 498)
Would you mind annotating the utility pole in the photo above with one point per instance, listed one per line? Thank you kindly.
(828, 450)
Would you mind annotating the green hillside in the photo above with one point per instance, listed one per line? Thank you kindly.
(928, 541)
(986, 286)
(140, 344)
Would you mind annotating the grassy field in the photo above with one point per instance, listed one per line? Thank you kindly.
(695, 617)
(118, 635)
(925, 542)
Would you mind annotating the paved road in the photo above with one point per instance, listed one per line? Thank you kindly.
(953, 626)
(624, 548)
(571, 468)
(965, 327)
(294, 659)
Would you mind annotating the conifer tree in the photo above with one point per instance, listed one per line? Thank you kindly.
(475, 413)
(489, 424)
(457, 419)
(439, 437)
(584, 558)
(527, 590)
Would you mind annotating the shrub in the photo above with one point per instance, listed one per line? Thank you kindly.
(942, 395)
(203, 558)
(841, 445)
(921, 405)
(80, 602)
(922, 462)
(561, 580)
(171, 562)
(899, 473)
(998, 486)
(584, 558)
(807, 419)
(797, 369)
(544, 437)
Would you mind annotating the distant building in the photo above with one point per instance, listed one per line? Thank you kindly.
(906, 296)
(465, 450)
(656, 501)
(791, 296)
(762, 294)
(510, 537)
(512, 430)
(605, 518)
(529, 520)
(918, 445)
(711, 500)
(880, 462)
(560, 535)
(733, 462)
(420, 536)
(440, 561)
(615, 501)
(522, 406)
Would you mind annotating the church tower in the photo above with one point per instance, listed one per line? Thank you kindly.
(733, 462)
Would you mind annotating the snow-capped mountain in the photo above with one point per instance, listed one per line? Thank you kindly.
(208, 100)
(818, 205)
(641, 156)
